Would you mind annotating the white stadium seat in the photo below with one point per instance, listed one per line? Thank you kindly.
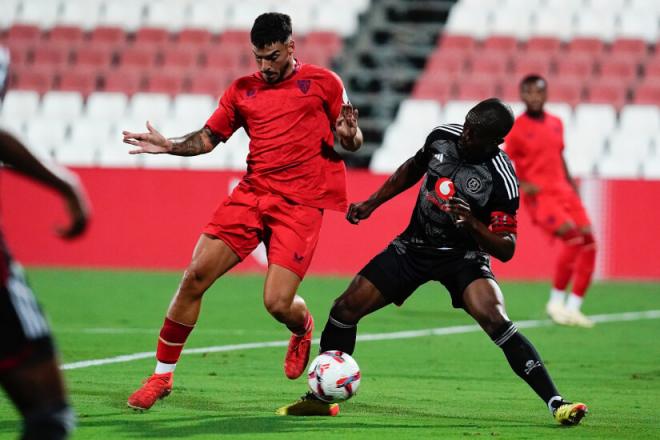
(115, 155)
(639, 119)
(169, 14)
(639, 23)
(645, 5)
(514, 22)
(22, 104)
(40, 13)
(334, 16)
(619, 167)
(196, 108)
(61, 105)
(162, 161)
(596, 24)
(9, 13)
(76, 155)
(303, 14)
(244, 13)
(582, 150)
(92, 133)
(468, 20)
(106, 105)
(209, 14)
(45, 135)
(623, 143)
(129, 15)
(554, 22)
(651, 167)
(595, 117)
(561, 110)
(455, 111)
(81, 13)
(149, 107)
(14, 125)
(419, 114)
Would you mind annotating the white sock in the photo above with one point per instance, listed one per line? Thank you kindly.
(557, 296)
(551, 401)
(164, 368)
(574, 302)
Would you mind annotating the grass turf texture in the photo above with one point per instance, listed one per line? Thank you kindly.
(452, 386)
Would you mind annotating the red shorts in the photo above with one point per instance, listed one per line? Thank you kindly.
(551, 210)
(250, 215)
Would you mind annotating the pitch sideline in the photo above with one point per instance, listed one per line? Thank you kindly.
(440, 331)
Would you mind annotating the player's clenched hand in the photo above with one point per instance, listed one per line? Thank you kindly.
(359, 211)
(459, 209)
(346, 124)
(78, 208)
(152, 142)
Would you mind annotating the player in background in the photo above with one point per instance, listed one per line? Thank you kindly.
(465, 212)
(550, 195)
(290, 111)
(29, 371)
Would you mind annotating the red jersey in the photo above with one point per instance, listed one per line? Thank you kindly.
(290, 128)
(535, 146)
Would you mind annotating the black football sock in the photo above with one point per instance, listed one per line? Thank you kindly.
(525, 361)
(338, 336)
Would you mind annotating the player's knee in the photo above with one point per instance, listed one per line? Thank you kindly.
(55, 423)
(489, 316)
(276, 306)
(194, 281)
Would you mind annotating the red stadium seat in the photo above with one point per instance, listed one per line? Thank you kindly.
(108, 35)
(126, 81)
(616, 69)
(132, 57)
(165, 82)
(200, 37)
(209, 83)
(499, 43)
(314, 56)
(48, 55)
(453, 61)
(99, 56)
(581, 66)
(20, 52)
(543, 45)
(462, 42)
(469, 90)
(237, 39)
(224, 58)
(593, 46)
(509, 91)
(39, 80)
(430, 88)
(151, 36)
(66, 34)
(652, 68)
(648, 94)
(84, 81)
(529, 64)
(181, 57)
(24, 32)
(568, 90)
(489, 64)
(327, 41)
(631, 46)
(607, 92)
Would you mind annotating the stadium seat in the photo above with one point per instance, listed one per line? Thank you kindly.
(115, 155)
(150, 36)
(80, 13)
(554, 22)
(166, 14)
(87, 133)
(446, 61)
(24, 32)
(67, 106)
(622, 143)
(639, 119)
(326, 41)
(638, 23)
(607, 91)
(619, 167)
(210, 82)
(137, 57)
(66, 34)
(22, 104)
(470, 21)
(106, 106)
(336, 16)
(84, 81)
(166, 161)
(568, 91)
(109, 35)
(476, 90)
(527, 64)
(165, 82)
(509, 90)
(149, 106)
(456, 42)
(618, 70)
(507, 21)
(548, 46)
(419, 114)
(562, 110)
(595, 117)
(583, 148)
(93, 55)
(41, 14)
(652, 69)
(651, 167)
(648, 93)
(441, 91)
(76, 155)
(581, 66)
(124, 81)
(196, 108)
(9, 13)
(46, 134)
(52, 56)
(39, 80)
(302, 14)
(186, 57)
(596, 23)
(586, 46)
(489, 64)
(630, 46)
(455, 111)
(208, 14)
(126, 15)
(20, 52)
(194, 36)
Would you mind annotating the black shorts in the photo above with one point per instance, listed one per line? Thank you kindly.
(399, 270)
(25, 334)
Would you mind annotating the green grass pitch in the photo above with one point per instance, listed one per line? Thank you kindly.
(452, 386)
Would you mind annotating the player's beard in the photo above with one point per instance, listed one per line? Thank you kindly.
(279, 75)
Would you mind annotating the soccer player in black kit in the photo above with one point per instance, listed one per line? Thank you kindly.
(465, 212)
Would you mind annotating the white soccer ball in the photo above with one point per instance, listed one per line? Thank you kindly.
(333, 376)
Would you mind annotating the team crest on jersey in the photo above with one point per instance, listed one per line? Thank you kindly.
(303, 85)
(473, 185)
(444, 188)
(251, 92)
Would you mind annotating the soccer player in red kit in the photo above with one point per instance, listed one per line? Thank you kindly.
(289, 110)
(535, 145)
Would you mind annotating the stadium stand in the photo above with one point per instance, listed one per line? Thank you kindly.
(105, 63)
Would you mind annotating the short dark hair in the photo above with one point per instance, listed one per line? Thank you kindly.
(491, 119)
(269, 28)
(533, 79)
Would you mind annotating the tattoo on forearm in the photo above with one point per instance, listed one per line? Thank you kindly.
(198, 142)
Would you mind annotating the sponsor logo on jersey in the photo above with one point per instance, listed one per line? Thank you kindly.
(444, 188)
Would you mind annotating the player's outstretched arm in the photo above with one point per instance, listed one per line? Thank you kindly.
(346, 127)
(198, 142)
(17, 156)
(501, 245)
(403, 178)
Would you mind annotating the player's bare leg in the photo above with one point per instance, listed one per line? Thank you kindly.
(211, 259)
(282, 302)
(484, 301)
(39, 394)
(360, 299)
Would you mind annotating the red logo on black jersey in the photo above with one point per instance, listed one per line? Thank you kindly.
(444, 188)
(303, 85)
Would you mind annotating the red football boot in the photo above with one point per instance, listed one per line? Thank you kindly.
(297, 355)
(158, 386)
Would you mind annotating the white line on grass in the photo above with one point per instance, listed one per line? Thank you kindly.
(441, 331)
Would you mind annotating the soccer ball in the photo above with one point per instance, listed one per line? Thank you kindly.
(333, 376)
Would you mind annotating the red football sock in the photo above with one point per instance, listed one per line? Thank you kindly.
(584, 267)
(565, 264)
(170, 343)
(302, 330)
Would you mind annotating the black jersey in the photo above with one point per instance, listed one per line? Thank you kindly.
(488, 187)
